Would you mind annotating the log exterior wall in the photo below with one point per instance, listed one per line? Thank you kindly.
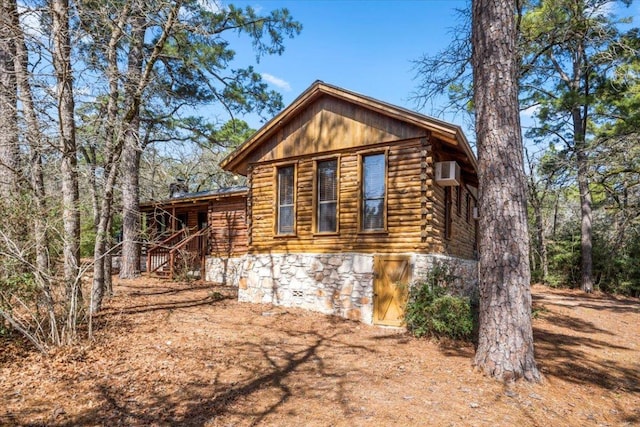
(414, 208)
(330, 128)
(227, 218)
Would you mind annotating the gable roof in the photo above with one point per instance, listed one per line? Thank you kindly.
(447, 132)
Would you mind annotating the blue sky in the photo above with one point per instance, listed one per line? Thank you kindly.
(363, 46)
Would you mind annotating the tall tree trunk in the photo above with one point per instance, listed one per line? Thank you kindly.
(130, 262)
(34, 143)
(113, 150)
(556, 206)
(90, 158)
(541, 241)
(101, 243)
(8, 127)
(505, 344)
(9, 151)
(544, 255)
(132, 150)
(133, 96)
(586, 245)
(108, 259)
(69, 166)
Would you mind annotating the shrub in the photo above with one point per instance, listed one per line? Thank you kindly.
(430, 311)
(15, 290)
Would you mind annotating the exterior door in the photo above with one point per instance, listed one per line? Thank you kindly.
(391, 277)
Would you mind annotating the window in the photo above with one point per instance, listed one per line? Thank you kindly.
(447, 212)
(286, 199)
(468, 208)
(202, 220)
(373, 192)
(459, 200)
(327, 191)
(182, 220)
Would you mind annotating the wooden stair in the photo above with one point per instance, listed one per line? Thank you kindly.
(181, 253)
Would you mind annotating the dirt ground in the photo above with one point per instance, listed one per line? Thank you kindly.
(189, 354)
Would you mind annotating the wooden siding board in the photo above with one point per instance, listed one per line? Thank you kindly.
(331, 124)
(227, 219)
(403, 207)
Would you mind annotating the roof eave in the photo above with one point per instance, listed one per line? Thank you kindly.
(191, 200)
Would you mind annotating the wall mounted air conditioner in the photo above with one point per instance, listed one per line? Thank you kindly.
(447, 173)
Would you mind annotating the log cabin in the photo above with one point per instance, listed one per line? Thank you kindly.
(350, 200)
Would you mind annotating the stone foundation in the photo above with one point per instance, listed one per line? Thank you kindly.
(338, 284)
(464, 271)
(224, 270)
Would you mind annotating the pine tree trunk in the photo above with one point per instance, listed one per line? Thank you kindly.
(9, 151)
(541, 242)
(113, 151)
(130, 260)
(586, 245)
(69, 167)
(108, 260)
(505, 344)
(34, 140)
(102, 237)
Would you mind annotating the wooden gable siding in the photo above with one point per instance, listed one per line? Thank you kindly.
(227, 218)
(404, 217)
(331, 124)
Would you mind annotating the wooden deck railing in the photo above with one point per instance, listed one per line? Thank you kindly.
(189, 255)
(180, 252)
(158, 255)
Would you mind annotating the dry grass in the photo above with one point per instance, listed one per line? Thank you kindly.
(189, 354)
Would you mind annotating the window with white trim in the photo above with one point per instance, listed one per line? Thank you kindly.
(373, 192)
(327, 193)
(286, 200)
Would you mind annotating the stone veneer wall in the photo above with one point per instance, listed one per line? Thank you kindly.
(465, 272)
(339, 284)
(224, 270)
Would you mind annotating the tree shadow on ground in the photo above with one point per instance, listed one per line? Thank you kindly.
(217, 294)
(453, 348)
(593, 302)
(560, 355)
(564, 355)
(574, 323)
(248, 389)
(172, 305)
(301, 370)
(162, 289)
